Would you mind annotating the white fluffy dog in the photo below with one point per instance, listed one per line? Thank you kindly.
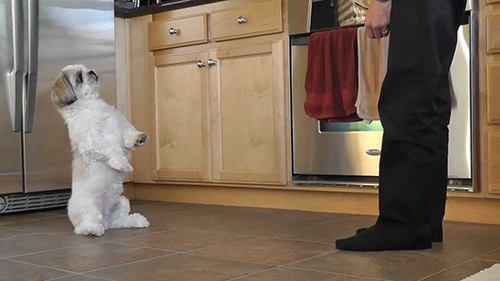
(101, 139)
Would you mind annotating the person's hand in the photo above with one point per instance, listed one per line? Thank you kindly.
(378, 19)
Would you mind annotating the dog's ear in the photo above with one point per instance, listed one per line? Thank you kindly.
(63, 93)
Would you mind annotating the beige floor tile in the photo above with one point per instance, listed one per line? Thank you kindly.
(259, 226)
(62, 226)
(21, 245)
(222, 245)
(91, 257)
(303, 216)
(236, 211)
(461, 271)
(197, 219)
(161, 209)
(461, 248)
(356, 221)
(492, 255)
(267, 250)
(7, 219)
(55, 225)
(182, 239)
(14, 271)
(5, 232)
(465, 241)
(79, 277)
(291, 274)
(399, 266)
(180, 267)
(324, 232)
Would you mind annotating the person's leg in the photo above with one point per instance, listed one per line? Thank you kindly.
(440, 175)
(414, 109)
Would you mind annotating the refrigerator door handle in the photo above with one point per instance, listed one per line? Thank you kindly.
(32, 64)
(16, 76)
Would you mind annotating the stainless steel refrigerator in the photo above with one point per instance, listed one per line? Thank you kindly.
(37, 39)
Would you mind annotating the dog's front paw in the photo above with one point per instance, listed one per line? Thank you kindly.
(120, 164)
(136, 140)
(141, 139)
(139, 221)
(90, 230)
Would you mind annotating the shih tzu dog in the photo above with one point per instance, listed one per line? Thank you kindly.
(101, 139)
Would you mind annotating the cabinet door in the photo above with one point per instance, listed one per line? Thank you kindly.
(493, 162)
(180, 118)
(247, 103)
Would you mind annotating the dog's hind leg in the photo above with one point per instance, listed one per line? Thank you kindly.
(121, 217)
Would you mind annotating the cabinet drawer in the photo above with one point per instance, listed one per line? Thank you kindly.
(245, 21)
(181, 32)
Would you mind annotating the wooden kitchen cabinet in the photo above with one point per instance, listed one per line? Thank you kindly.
(494, 163)
(216, 106)
(255, 18)
(247, 104)
(236, 137)
(180, 117)
(180, 32)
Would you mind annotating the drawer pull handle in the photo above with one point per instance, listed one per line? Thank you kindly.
(172, 31)
(211, 62)
(373, 152)
(242, 20)
(201, 64)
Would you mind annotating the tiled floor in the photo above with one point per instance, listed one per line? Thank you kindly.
(199, 242)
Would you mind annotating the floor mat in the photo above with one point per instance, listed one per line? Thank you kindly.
(489, 274)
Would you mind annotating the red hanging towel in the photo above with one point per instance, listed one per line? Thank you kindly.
(332, 76)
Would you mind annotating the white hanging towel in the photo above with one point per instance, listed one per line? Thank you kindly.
(372, 67)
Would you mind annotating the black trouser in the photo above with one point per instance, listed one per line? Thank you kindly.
(415, 112)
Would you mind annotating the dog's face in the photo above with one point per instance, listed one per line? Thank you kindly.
(75, 82)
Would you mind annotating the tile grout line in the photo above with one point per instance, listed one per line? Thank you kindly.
(50, 250)
(116, 240)
(457, 265)
(96, 277)
(126, 263)
(44, 266)
(249, 236)
(338, 273)
(488, 260)
(279, 266)
(254, 273)
(289, 266)
(217, 245)
(229, 259)
(97, 269)
(262, 236)
(21, 235)
(49, 217)
(255, 237)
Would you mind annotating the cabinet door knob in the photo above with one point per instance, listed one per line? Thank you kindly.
(373, 152)
(172, 31)
(201, 64)
(211, 62)
(242, 20)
